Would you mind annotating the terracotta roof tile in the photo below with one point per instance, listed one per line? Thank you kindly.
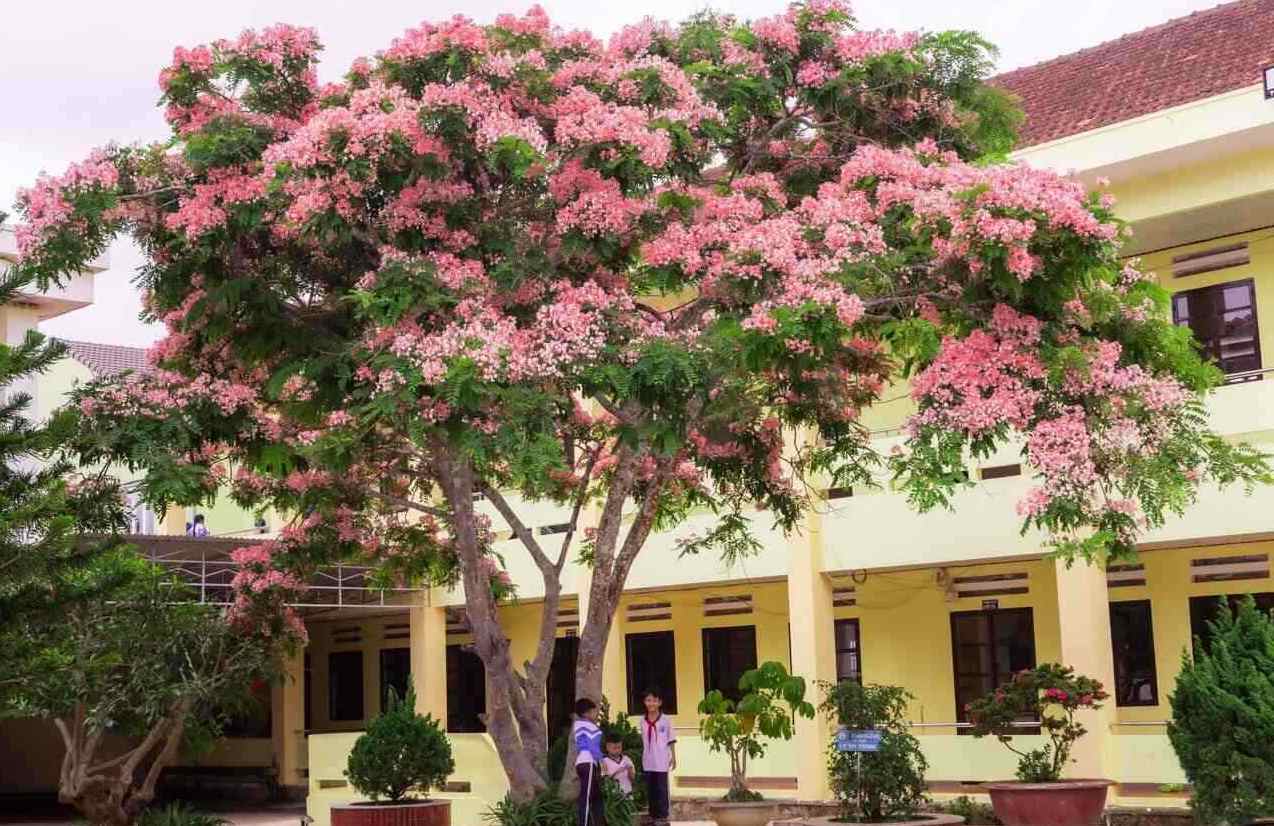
(108, 359)
(1190, 58)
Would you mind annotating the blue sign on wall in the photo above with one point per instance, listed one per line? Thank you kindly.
(858, 740)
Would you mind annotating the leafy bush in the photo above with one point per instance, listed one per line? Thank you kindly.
(771, 700)
(179, 814)
(401, 752)
(975, 813)
(1049, 693)
(880, 785)
(1223, 718)
(549, 808)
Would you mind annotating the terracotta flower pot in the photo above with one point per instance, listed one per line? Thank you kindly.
(407, 813)
(1064, 803)
(741, 814)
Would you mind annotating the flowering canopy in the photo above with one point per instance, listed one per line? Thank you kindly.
(510, 258)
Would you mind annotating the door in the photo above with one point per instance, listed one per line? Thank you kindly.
(561, 686)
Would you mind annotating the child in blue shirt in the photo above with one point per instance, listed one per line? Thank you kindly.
(588, 741)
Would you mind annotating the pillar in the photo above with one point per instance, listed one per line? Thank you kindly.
(287, 725)
(809, 600)
(429, 657)
(1083, 612)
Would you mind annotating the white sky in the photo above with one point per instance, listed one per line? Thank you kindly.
(75, 75)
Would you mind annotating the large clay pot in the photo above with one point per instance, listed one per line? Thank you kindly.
(408, 813)
(1063, 803)
(758, 813)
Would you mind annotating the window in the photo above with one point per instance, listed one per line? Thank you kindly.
(727, 653)
(306, 686)
(1223, 319)
(345, 686)
(652, 663)
(1133, 639)
(849, 658)
(395, 674)
(1203, 609)
(466, 690)
(987, 648)
(561, 685)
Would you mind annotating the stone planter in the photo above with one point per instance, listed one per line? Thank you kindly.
(407, 813)
(757, 813)
(1064, 803)
(920, 820)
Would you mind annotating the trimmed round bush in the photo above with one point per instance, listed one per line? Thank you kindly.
(401, 753)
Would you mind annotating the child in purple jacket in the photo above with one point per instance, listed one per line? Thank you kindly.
(588, 740)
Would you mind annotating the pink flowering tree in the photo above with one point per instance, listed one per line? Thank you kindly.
(516, 262)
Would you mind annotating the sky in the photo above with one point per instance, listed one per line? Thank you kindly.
(76, 75)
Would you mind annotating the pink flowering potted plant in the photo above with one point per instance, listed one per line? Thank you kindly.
(1053, 695)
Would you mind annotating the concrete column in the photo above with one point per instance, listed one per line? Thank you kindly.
(1083, 612)
(287, 712)
(429, 658)
(809, 599)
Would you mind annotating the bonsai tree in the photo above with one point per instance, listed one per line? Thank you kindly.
(1222, 724)
(402, 752)
(1050, 694)
(503, 268)
(886, 784)
(771, 701)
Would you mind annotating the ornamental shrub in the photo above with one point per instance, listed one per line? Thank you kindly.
(881, 785)
(401, 752)
(1050, 694)
(1223, 718)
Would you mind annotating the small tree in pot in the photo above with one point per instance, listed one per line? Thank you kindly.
(402, 753)
(1053, 695)
(771, 701)
(1223, 718)
(889, 783)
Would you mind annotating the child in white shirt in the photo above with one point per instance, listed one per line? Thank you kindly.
(617, 765)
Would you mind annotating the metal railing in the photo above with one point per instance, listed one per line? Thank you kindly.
(335, 586)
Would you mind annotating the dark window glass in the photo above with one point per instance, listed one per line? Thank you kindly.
(1132, 637)
(727, 654)
(345, 686)
(1203, 609)
(466, 690)
(652, 663)
(1223, 319)
(989, 647)
(395, 674)
(849, 657)
(561, 686)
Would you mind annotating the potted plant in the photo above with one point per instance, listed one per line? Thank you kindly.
(402, 754)
(1050, 694)
(1222, 725)
(886, 784)
(770, 702)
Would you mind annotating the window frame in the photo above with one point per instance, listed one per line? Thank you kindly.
(708, 683)
(333, 686)
(668, 688)
(1250, 283)
(385, 654)
(991, 615)
(453, 723)
(1125, 604)
(857, 650)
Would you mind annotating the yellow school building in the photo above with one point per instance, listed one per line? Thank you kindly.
(945, 604)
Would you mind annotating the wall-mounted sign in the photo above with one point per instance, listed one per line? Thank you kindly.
(990, 605)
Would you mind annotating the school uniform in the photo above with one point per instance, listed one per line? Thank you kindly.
(657, 738)
(588, 741)
(618, 770)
